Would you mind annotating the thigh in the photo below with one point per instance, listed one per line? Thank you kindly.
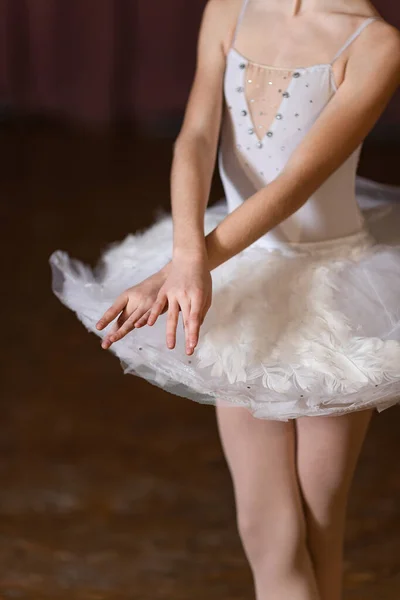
(261, 457)
(327, 453)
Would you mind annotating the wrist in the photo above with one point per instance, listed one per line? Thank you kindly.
(215, 254)
(163, 273)
(196, 255)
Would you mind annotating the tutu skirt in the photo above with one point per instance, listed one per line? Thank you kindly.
(293, 330)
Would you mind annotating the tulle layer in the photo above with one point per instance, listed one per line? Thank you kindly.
(301, 329)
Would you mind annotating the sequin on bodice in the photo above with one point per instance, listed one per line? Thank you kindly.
(267, 113)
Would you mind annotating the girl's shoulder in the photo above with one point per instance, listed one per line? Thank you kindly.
(385, 32)
(225, 14)
(380, 43)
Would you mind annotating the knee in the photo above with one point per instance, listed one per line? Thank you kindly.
(274, 537)
(327, 511)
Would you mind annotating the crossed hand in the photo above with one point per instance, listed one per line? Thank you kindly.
(182, 285)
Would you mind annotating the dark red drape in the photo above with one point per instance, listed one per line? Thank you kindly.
(95, 60)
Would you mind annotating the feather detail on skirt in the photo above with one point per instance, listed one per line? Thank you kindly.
(293, 330)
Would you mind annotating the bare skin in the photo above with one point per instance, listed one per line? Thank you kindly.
(185, 284)
(291, 483)
(291, 480)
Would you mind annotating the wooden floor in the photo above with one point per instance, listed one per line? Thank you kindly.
(110, 488)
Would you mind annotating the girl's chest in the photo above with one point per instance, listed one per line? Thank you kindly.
(268, 104)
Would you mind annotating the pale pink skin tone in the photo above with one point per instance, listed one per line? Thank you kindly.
(185, 284)
(294, 547)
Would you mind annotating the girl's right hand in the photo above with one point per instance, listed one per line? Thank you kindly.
(188, 287)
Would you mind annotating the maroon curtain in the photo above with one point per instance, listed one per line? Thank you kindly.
(59, 56)
(95, 60)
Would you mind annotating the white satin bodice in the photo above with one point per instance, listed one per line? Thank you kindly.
(267, 113)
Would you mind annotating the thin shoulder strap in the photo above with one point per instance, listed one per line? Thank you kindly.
(239, 20)
(354, 36)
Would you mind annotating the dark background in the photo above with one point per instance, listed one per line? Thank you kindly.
(110, 488)
(99, 60)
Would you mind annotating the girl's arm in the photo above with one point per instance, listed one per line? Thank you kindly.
(184, 284)
(372, 76)
(195, 148)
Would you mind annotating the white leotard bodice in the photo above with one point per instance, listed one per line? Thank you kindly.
(267, 112)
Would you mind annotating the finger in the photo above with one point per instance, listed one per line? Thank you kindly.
(195, 321)
(112, 312)
(172, 322)
(114, 328)
(124, 316)
(133, 317)
(122, 331)
(157, 309)
(143, 320)
(106, 343)
(185, 308)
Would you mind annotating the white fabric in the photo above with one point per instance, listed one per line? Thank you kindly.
(269, 111)
(306, 321)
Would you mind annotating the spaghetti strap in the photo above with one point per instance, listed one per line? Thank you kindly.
(239, 20)
(354, 36)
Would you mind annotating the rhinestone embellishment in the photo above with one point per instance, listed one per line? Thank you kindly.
(251, 130)
(296, 74)
(243, 112)
(242, 66)
(259, 145)
(240, 89)
(269, 134)
(279, 116)
(286, 94)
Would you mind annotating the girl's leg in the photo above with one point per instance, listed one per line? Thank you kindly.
(327, 453)
(261, 459)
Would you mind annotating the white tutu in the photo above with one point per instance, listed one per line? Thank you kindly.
(295, 330)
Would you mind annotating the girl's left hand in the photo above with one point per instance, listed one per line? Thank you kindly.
(132, 308)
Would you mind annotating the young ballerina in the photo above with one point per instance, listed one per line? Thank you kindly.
(289, 303)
